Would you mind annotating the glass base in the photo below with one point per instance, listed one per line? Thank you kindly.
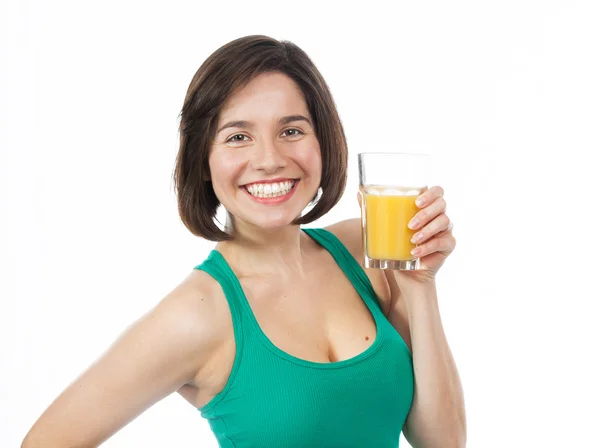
(396, 265)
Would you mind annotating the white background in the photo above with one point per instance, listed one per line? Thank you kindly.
(506, 95)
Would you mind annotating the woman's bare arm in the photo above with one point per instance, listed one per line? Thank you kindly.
(155, 356)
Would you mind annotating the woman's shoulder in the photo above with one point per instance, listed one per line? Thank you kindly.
(349, 232)
(200, 302)
(200, 299)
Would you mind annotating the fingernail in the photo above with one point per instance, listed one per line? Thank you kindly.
(416, 238)
(413, 224)
(419, 202)
(415, 252)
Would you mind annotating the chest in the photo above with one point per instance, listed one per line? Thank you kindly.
(321, 318)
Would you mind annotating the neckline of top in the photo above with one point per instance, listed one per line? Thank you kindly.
(300, 361)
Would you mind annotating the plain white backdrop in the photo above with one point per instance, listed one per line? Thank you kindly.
(505, 95)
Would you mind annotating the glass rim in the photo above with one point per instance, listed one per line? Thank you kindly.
(396, 154)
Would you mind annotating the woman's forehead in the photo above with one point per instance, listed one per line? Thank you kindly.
(271, 92)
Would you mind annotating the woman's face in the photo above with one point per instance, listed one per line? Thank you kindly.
(261, 136)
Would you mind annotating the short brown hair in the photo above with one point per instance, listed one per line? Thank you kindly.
(229, 68)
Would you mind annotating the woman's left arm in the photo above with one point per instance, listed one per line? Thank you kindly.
(437, 415)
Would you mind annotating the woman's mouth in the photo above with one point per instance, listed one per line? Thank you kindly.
(271, 193)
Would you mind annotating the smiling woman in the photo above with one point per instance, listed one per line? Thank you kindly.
(303, 313)
(277, 84)
(280, 337)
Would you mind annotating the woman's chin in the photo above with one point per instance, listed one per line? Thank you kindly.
(268, 220)
(273, 225)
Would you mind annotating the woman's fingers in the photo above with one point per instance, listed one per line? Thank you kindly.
(444, 244)
(438, 225)
(429, 196)
(423, 217)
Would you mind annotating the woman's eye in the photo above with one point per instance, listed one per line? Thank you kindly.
(299, 132)
(234, 139)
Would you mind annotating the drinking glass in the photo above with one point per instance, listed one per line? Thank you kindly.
(390, 182)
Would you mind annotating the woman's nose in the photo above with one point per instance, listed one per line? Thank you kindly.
(267, 157)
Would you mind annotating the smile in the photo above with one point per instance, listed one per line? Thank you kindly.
(271, 193)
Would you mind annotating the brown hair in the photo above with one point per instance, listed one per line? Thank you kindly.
(231, 67)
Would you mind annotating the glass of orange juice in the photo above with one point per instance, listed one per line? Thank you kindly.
(390, 183)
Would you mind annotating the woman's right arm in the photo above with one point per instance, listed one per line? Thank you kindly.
(153, 357)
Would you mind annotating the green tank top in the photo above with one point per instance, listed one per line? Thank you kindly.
(273, 399)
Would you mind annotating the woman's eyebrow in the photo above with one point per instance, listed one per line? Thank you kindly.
(248, 124)
(291, 118)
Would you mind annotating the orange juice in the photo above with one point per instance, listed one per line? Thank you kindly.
(386, 214)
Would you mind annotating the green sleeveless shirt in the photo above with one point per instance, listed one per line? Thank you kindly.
(273, 399)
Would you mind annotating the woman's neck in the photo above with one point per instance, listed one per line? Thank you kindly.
(254, 251)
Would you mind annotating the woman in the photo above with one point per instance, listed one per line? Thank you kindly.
(280, 337)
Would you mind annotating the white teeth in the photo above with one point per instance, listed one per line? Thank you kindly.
(270, 190)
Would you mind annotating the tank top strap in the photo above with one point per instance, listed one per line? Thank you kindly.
(216, 266)
(347, 263)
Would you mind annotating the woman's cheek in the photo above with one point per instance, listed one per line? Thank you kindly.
(311, 156)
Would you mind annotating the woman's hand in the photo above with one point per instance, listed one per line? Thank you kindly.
(436, 242)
